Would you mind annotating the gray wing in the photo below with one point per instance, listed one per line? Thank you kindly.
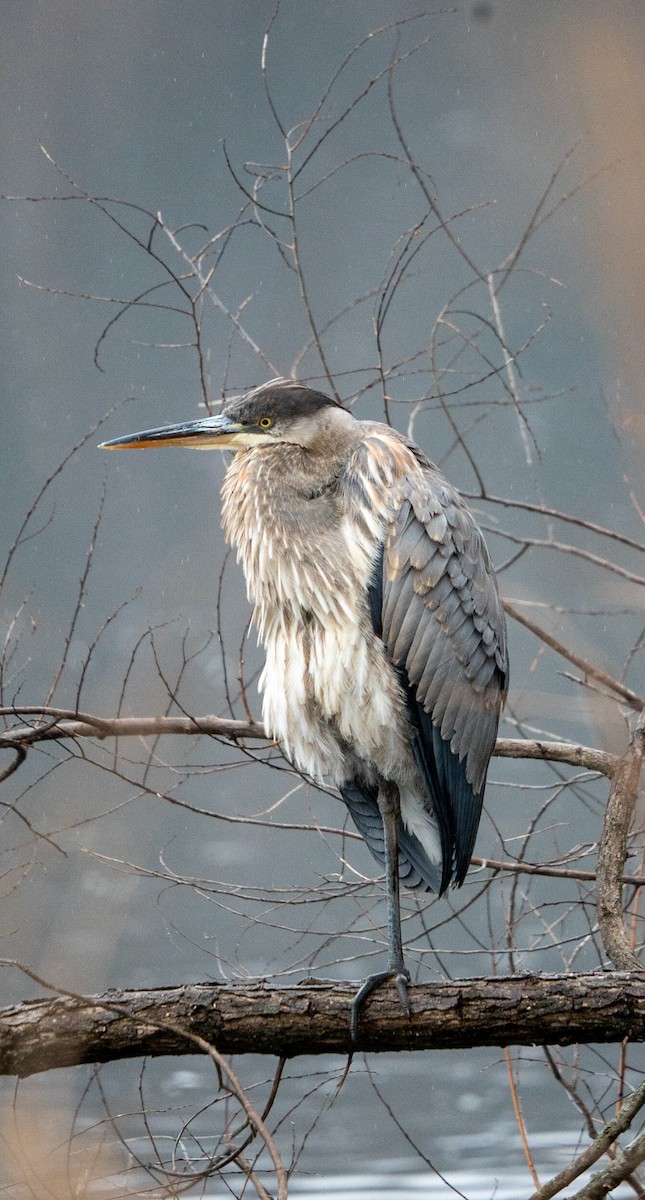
(435, 604)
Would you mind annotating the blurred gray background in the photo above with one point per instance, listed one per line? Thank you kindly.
(132, 101)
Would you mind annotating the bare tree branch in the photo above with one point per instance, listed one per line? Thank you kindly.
(613, 851)
(64, 723)
(313, 1018)
(621, 1168)
(621, 1121)
(68, 725)
(626, 694)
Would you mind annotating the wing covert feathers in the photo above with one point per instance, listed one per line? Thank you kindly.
(434, 602)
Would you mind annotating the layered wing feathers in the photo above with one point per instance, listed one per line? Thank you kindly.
(442, 618)
(434, 602)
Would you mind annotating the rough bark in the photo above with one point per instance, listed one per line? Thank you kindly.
(613, 852)
(313, 1018)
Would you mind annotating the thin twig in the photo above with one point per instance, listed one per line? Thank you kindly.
(509, 367)
(544, 510)
(626, 694)
(519, 1116)
(235, 1087)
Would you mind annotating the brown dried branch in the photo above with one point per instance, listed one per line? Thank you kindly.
(621, 1121)
(517, 867)
(614, 685)
(313, 1018)
(65, 723)
(233, 1085)
(550, 543)
(613, 851)
(543, 510)
(621, 1168)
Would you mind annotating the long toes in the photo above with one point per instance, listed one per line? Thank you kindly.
(366, 988)
(401, 977)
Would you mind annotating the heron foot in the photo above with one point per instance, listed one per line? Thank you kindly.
(401, 977)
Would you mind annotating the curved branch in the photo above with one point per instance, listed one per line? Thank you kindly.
(256, 1122)
(569, 518)
(613, 852)
(21, 755)
(313, 1018)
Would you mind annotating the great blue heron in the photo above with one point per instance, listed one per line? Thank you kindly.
(376, 602)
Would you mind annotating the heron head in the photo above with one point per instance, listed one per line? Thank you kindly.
(277, 411)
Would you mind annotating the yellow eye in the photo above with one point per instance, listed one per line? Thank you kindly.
(265, 422)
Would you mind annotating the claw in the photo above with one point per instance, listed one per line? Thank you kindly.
(401, 977)
(402, 980)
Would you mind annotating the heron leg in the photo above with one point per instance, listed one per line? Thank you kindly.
(390, 809)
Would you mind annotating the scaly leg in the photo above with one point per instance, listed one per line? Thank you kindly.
(390, 810)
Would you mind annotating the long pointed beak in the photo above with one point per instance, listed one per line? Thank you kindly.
(196, 435)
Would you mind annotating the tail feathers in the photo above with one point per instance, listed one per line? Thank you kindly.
(416, 871)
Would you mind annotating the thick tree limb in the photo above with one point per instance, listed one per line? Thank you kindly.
(313, 1018)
